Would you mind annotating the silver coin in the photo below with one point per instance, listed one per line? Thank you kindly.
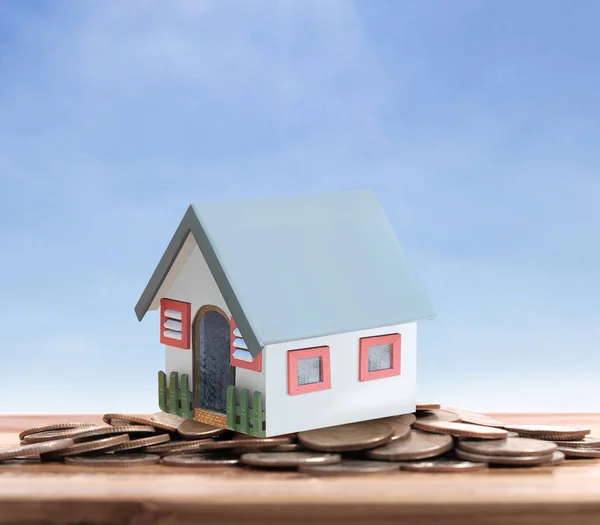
(288, 459)
(590, 453)
(200, 460)
(443, 465)
(514, 461)
(417, 445)
(349, 466)
(509, 447)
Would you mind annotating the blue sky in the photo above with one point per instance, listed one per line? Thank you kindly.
(476, 122)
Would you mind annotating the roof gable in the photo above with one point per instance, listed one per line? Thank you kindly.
(292, 268)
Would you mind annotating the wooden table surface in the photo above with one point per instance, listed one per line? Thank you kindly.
(63, 494)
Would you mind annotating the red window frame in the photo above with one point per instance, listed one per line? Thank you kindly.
(293, 356)
(185, 309)
(255, 365)
(366, 342)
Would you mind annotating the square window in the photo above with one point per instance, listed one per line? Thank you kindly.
(379, 357)
(308, 370)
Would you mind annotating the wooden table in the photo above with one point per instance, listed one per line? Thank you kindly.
(53, 494)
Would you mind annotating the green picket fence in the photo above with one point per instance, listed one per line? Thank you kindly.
(176, 397)
(243, 417)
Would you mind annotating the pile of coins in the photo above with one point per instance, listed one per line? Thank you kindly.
(433, 439)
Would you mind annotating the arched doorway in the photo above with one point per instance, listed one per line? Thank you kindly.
(212, 373)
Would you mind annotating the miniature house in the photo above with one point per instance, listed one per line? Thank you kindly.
(286, 314)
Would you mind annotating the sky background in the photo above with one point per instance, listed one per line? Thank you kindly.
(477, 123)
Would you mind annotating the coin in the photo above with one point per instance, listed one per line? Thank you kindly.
(349, 466)
(287, 447)
(508, 447)
(84, 434)
(558, 458)
(21, 461)
(437, 415)
(443, 465)
(586, 442)
(461, 429)
(400, 424)
(113, 460)
(406, 419)
(516, 461)
(52, 435)
(54, 426)
(428, 406)
(474, 418)
(418, 445)
(288, 459)
(200, 460)
(353, 436)
(35, 449)
(127, 420)
(580, 452)
(177, 447)
(188, 447)
(550, 432)
(86, 446)
(171, 421)
(139, 443)
(189, 429)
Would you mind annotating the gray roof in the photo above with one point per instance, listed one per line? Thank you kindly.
(292, 268)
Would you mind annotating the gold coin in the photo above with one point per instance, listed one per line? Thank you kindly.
(350, 437)
(139, 443)
(474, 418)
(443, 465)
(550, 432)
(201, 460)
(189, 429)
(35, 449)
(54, 426)
(86, 446)
(418, 445)
(288, 459)
(428, 406)
(113, 460)
(516, 461)
(590, 453)
(461, 429)
(436, 415)
(349, 467)
(509, 447)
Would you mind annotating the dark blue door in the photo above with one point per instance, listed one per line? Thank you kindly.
(212, 371)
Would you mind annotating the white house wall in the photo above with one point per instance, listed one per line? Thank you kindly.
(190, 280)
(348, 400)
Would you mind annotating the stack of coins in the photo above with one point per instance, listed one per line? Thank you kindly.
(433, 439)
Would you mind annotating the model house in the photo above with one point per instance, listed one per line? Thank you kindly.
(286, 314)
